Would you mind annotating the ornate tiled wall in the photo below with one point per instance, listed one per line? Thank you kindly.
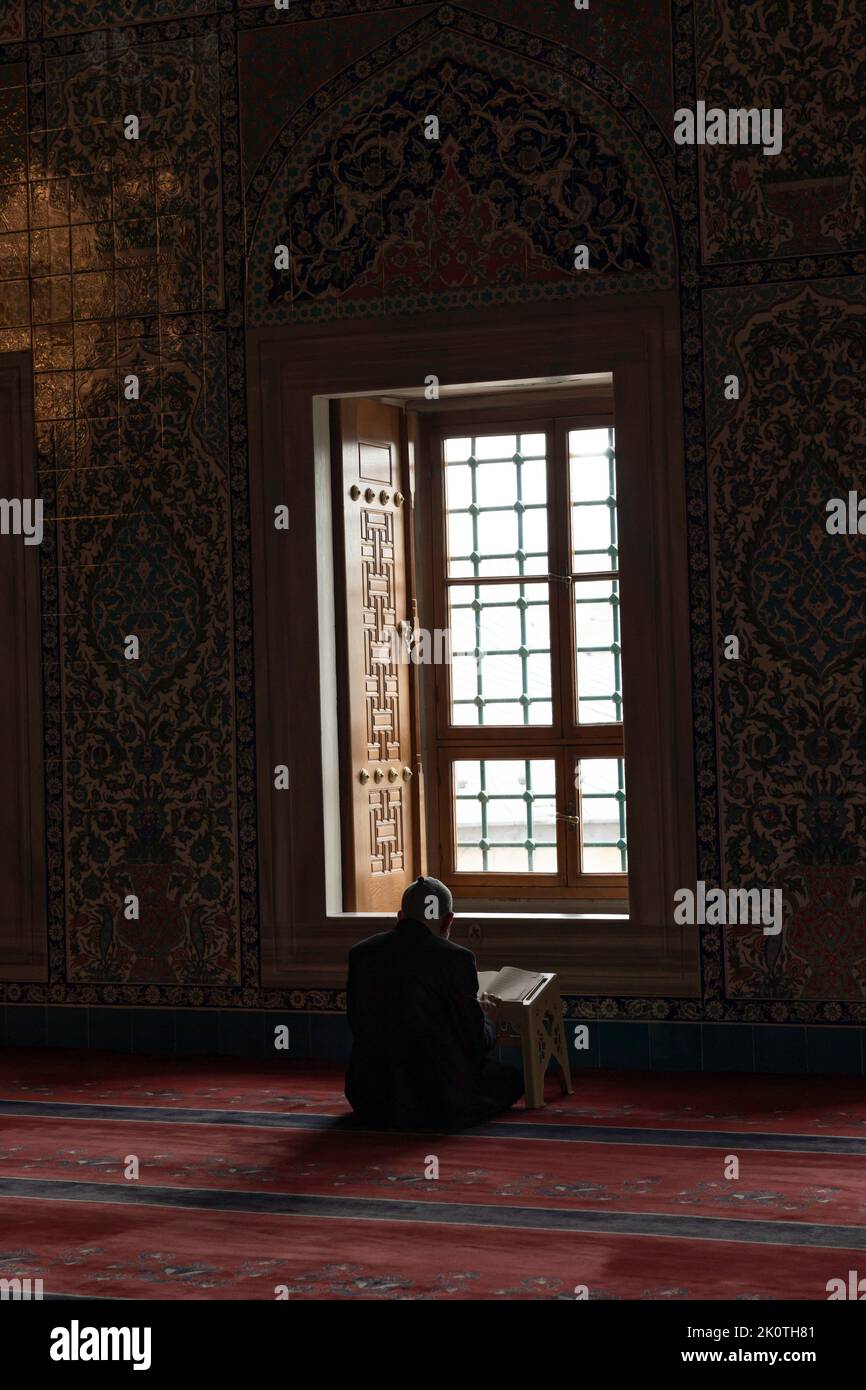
(11, 20)
(114, 262)
(530, 162)
(791, 719)
(74, 16)
(556, 128)
(784, 307)
(806, 59)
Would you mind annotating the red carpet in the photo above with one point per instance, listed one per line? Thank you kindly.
(88, 1250)
(246, 1183)
(775, 1104)
(794, 1186)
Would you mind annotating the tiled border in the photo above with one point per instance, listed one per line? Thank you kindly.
(658, 1047)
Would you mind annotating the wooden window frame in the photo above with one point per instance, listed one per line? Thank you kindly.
(293, 371)
(565, 740)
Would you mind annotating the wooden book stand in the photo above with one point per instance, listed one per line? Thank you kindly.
(537, 1021)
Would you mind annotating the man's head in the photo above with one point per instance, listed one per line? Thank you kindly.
(428, 900)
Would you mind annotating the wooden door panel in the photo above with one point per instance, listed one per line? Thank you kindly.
(378, 752)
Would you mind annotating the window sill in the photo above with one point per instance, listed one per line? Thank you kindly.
(528, 910)
(504, 917)
(593, 953)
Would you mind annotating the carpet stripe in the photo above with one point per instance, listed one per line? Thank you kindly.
(90, 1248)
(569, 1134)
(446, 1213)
(826, 1188)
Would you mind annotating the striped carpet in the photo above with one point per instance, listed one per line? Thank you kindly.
(130, 1177)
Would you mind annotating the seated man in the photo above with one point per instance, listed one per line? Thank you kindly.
(420, 1036)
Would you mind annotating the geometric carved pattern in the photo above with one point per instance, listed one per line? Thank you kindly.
(378, 598)
(381, 686)
(386, 831)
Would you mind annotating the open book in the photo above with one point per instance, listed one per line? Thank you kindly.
(509, 985)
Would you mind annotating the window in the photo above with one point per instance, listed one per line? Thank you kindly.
(529, 751)
(335, 850)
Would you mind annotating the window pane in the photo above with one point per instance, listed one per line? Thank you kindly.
(498, 542)
(457, 450)
(593, 535)
(459, 478)
(603, 848)
(592, 478)
(494, 446)
(495, 483)
(505, 815)
(496, 499)
(500, 654)
(461, 536)
(599, 653)
(594, 540)
(535, 539)
(533, 479)
(589, 441)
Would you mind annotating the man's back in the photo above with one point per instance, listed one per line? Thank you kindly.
(420, 1035)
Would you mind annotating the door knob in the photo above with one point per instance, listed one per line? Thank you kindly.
(363, 777)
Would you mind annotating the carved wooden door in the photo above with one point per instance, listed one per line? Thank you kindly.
(378, 763)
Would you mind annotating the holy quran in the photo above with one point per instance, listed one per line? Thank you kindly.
(510, 985)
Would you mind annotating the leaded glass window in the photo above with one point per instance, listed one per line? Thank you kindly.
(592, 476)
(602, 815)
(497, 527)
(500, 672)
(530, 709)
(506, 815)
(496, 489)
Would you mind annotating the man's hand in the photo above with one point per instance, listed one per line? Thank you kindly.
(489, 1007)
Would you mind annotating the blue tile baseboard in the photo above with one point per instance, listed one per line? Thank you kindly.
(291, 1035)
(190, 1032)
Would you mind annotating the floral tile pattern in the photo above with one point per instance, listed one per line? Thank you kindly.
(805, 60)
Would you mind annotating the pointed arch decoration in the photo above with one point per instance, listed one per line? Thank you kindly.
(538, 152)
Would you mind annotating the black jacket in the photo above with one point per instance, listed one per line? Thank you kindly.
(420, 1036)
